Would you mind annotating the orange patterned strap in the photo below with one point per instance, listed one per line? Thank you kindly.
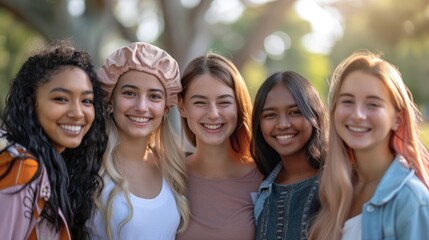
(63, 235)
(21, 173)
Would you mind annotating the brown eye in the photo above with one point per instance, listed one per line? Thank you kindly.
(88, 101)
(60, 99)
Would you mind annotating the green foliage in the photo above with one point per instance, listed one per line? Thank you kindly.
(314, 67)
(424, 134)
(16, 43)
(399, 31)
(254, 74)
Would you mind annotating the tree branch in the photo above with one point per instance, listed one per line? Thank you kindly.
(268, 23)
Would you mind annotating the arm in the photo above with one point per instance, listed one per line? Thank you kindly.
(17, 202)
(412, 207)
(416, 225)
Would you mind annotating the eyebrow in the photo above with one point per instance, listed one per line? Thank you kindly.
(370, 96)
(68, 91)
(204, 97)
(272, 108)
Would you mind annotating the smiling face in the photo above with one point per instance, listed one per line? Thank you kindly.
(283, 126)
(364, 115)
(139, 103)
(210, 109)
(64, 107)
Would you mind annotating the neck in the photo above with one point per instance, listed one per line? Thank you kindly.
(132, 148)
(295, 168)
(371, 166)
(215, 162)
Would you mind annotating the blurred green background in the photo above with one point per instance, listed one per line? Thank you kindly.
(260, 36)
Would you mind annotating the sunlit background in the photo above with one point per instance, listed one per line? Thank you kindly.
(260, 36)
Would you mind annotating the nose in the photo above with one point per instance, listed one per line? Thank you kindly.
(141, 105)
(358, 112)
(213, 112)
(76, 110)
(283, 122)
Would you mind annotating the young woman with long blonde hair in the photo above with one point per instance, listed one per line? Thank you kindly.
(375, 181)
(143, 167)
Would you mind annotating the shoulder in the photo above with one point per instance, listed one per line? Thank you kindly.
(21, 171)
(407, 200)
(414, 190)
(250, 170)
(410, 206)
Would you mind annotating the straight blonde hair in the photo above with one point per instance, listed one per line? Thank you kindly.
(163, 144)
(337, 180)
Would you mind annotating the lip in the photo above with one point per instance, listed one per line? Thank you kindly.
(358, 129)
(284, 138)
(139, 120)
(212, 127)
(72, 129)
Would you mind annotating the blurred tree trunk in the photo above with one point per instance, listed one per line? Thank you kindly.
(186, 33)
(52, 20)
(269, 22)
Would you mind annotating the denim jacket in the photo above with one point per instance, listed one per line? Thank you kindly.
(265, 190)
(399, 208)
(310, 204)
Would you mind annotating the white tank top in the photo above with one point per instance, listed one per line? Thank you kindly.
(352, 228)
(156, 218)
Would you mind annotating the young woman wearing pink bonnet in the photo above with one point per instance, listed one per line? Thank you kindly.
(143, 168)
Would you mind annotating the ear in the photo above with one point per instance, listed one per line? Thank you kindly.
(109, 107)
(181, 108)
(166, 110)
(399, 120)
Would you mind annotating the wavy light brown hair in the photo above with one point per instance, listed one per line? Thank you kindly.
(225, 71)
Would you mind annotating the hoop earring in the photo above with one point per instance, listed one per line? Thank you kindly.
(164, 119)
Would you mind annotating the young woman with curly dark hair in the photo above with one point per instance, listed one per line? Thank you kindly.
(51, 146)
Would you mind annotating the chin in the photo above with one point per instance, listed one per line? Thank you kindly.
(72, 145)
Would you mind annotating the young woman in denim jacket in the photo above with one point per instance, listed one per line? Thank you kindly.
(289, 146)
(51, 146)
(375, 181)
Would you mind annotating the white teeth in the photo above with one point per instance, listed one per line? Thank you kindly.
(358, 129)
(71, 128)
(139, 119)
(283, 137)
(212, 126)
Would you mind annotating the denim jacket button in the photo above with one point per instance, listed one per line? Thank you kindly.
(370, 208)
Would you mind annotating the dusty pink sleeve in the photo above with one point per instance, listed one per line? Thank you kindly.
(17, 211)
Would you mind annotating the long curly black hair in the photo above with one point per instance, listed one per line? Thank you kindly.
(73, 174)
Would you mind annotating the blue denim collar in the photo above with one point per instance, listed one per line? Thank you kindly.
(268, 182)
(392, 181)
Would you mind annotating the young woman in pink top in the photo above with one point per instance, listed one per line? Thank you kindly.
(216, 110)
(51, 144)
